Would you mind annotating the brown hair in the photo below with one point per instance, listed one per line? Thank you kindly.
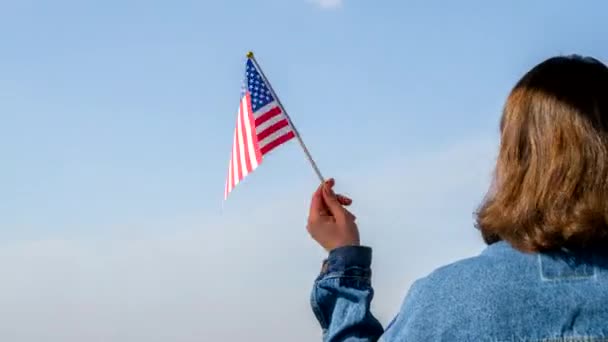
(550, 188)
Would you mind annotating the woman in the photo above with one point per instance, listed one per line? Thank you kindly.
(544, 274)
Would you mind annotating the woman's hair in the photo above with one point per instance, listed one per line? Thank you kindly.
(550, 188)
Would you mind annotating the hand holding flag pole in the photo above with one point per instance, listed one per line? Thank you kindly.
(262, 125)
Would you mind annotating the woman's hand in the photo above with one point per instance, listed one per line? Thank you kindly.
(329, 223)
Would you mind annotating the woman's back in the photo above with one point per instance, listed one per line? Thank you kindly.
(507, 295)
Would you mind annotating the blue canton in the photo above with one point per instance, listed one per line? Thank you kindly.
(260, 94)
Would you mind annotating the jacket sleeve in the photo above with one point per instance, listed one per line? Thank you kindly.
(342, 295)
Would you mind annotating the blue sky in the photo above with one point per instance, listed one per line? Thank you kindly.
(116, 122)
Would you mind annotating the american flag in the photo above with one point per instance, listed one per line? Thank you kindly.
(261, 126)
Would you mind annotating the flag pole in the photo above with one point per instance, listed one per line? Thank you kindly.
(293, 127)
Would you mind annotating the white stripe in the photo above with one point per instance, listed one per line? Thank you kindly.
(235, 165)
(242, 152)
(264, 109)
(252, 155)
(274, 136)
(269, 123)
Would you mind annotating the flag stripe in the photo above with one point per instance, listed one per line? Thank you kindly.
(268, 115)
(254, 154)
(263, 126)
(241, 147)
(243, 140)
(231, 175)
(275, 143)
(262, 110)
(272, 129)
(276, 135)
(230, 178)
(254, 137)
(239, 152)
(235, 165)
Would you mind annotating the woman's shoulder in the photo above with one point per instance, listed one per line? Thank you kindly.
(496, 261)
(476, 277)
(461, 294)
(503, 289)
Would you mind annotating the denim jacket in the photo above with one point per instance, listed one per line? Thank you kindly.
(500, 295)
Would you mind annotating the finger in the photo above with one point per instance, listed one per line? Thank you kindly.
(344, 200)
(350, 215)
(317, 205)
(331, 201)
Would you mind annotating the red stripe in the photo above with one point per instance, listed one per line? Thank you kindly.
(231, 170)
(254, 137)
(234, 163)
(244, 137)
(267, 116)
(238, 155)
(278, 141)
(271, 129)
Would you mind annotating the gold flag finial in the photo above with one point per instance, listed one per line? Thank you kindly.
(250, 54)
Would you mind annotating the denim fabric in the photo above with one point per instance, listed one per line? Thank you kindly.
(502, 295)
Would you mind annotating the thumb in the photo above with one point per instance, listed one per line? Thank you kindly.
(332, 201)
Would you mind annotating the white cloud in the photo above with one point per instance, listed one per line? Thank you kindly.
(328, 4)
(236, 277)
